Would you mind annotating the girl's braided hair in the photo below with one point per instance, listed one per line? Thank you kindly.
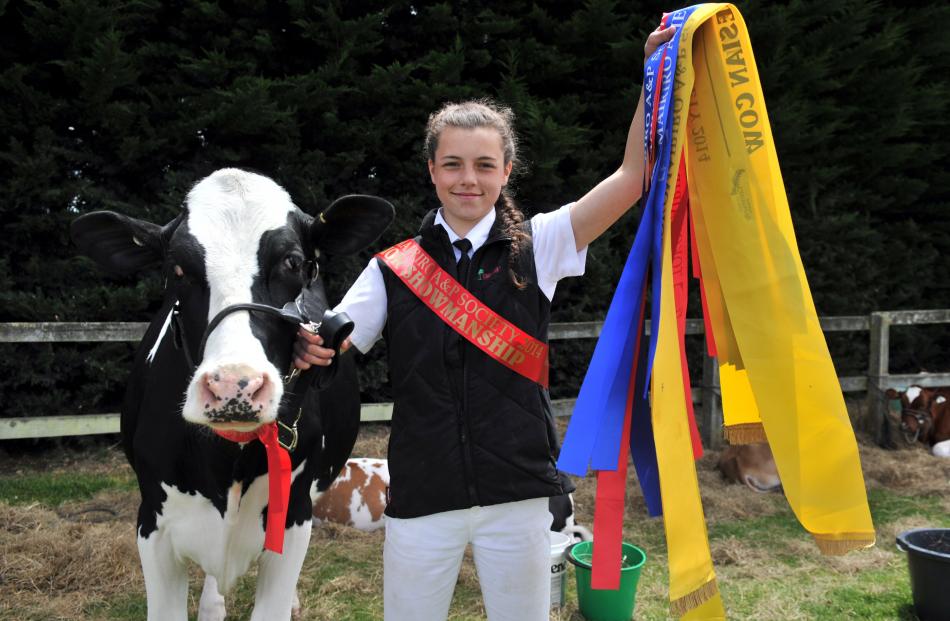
(486, 113)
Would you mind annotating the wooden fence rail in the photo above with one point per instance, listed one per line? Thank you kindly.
(874, 383)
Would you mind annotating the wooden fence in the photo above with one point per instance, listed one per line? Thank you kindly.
(710, 412)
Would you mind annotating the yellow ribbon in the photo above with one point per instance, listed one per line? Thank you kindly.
(692, 579)
(776, 372)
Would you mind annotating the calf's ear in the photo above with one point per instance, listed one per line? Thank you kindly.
(351, 223)
(120, 245)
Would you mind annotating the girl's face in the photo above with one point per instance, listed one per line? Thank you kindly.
(468, 172)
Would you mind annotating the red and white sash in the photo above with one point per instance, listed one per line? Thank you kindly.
(463, 312)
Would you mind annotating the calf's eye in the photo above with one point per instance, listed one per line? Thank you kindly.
(292, 263)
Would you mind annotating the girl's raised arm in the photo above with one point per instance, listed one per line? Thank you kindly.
(611, 198)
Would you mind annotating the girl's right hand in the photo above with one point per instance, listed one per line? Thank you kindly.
(657, 37)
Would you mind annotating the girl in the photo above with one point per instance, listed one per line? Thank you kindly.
(472, 446)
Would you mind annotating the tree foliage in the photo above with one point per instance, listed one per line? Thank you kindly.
(125, 105)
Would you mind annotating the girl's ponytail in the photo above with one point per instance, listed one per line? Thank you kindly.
(513, 221)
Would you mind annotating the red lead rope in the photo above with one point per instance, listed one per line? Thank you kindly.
(278, 480)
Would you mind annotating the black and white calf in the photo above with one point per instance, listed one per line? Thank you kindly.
(239, 240)
(563, 516)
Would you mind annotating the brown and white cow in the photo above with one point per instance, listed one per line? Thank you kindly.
(357, 498)
(925, 416)
(752, 465)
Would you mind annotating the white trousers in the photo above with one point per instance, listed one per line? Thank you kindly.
(511, 546)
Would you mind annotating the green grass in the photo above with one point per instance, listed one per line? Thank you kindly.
(125, 607)
(759, 529)
(54, 488)
(889, 506)
(875, 594)
(767, 566)
(780, 573)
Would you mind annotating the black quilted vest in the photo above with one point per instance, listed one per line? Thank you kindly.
(466, 430)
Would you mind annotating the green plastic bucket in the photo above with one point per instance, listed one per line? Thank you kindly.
(606, 605)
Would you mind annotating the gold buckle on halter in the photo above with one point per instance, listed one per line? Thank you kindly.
(281, 426)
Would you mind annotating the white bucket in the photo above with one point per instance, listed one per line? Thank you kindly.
(559, 543)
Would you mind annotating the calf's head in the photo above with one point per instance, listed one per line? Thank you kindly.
(916, 419)
(239, 240)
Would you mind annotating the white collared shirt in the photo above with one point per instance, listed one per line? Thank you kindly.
(555, 257)
(478, 235)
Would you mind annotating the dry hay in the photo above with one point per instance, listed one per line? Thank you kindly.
(721, 499)
(726, 501)
(910, 468)
(90, 459)
(373, 441)
(316, 597)
(57, 562)
(58, 565)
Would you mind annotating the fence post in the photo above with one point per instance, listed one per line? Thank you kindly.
(711, 409)
(878, 364)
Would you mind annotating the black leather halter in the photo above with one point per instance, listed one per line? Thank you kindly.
(333, 328)
(291, 313)
(923, 419)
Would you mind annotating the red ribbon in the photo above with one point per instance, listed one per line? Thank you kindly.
(278, 480)
(698, 275)
(679, 242)
(609, 502)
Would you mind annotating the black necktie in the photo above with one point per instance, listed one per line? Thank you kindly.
(462, 268)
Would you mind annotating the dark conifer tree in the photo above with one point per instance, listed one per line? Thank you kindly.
(123, 106)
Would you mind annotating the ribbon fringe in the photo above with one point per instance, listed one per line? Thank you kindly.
(682, 605)
(842, 543)
(744, 433)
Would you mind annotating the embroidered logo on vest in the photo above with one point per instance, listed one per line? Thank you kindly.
(483, 275)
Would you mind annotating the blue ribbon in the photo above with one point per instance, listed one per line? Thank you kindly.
(598, 415)
(642, 447)
(597, 422)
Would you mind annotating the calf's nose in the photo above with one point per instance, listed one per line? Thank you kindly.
(235, 393)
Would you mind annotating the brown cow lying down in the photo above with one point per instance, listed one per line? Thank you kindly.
(751, 465)
(925, 416)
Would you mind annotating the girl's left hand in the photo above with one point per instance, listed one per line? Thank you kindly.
(657, 37)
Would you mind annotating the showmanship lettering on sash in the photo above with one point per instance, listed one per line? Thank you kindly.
(497, 337)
